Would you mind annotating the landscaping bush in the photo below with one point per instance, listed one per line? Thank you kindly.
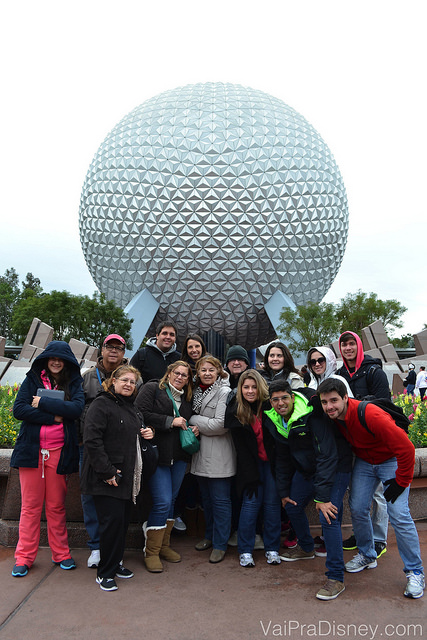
(9, 427)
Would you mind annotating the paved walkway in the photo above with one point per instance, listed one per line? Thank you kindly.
(194, 600)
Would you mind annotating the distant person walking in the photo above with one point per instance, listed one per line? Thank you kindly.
(421, 383)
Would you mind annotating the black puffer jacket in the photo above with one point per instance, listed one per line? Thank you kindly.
(111, 429)
(151, 362)
(27, 447)
(368, 380)
(157, 410)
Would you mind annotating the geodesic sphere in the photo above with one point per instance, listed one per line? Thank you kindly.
(213, 196)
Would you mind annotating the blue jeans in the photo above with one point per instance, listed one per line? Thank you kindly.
(302, 491)
(164, 487)
(364, 480)
(216, 502)
(332, 532)
(268, 498)
(89, 514)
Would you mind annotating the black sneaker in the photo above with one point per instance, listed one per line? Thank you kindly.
(350, 543)
(380, 548)
(107, 584)
(122, 572)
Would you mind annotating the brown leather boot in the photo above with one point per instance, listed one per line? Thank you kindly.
(153, 544)
(166, 552)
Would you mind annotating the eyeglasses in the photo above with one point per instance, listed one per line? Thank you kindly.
(180, 375)
(111, 347)
(321, 360)
(276, 400)
(126, 381)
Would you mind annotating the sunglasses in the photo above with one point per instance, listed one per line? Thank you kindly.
(313, 361)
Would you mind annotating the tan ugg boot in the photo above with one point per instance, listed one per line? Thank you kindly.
(166, 552)
(153, 544)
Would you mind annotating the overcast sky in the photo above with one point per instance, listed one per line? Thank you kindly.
(355, 70)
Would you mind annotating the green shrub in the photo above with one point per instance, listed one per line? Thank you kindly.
(9, 427)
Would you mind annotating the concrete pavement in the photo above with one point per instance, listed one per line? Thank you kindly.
(194, 600)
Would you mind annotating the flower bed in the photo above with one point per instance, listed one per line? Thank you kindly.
(417, 414)
(413, 408)
(9, 427)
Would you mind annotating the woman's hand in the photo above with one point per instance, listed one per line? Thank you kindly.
(35, 402)
(147, 433)
(180, 422)
(195, 430)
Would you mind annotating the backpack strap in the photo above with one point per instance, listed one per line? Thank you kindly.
(361, 411)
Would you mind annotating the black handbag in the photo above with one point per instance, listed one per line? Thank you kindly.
(150, 458)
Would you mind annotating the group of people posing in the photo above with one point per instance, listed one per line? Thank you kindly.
(268, 444)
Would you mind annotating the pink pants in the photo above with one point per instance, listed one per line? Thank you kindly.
(35, 490)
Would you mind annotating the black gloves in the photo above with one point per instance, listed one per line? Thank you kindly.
(393, 490)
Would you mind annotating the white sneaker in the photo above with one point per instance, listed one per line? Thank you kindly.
(246, 560)
(272, 557)
(359, 563)
(415, 584)
(179, 524)
(259, 543)
(94, 558)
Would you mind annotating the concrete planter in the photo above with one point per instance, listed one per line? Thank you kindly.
(10, 505)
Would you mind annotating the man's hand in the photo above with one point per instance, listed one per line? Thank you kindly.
(393, 490)
(328, 509)
(287, 500)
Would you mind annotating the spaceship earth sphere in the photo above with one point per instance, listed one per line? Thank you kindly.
(214, 196)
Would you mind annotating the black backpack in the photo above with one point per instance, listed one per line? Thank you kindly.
(389, 407)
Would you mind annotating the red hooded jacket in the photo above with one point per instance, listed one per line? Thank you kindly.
(386, 441)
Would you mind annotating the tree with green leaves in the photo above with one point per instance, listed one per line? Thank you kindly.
(9, 294)
(358, 310)
(403, 342)
(310, 325)
(72, 316)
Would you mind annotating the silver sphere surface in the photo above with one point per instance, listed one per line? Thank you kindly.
(213, 196)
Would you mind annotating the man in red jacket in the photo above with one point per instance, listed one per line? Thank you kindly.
(383, 453)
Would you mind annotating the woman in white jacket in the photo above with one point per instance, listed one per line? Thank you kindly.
(215, 462)
(322, 364)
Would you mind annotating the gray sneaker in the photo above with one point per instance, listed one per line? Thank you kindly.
(272, 557)
(330, 590)
(415, 584)
(359, 563)
(296, 554)
(246, 560)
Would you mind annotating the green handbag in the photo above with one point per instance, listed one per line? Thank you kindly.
(189, 442)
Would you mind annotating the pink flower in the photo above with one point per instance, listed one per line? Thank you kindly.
(411, 417)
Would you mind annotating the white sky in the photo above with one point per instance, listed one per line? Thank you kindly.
(355, 70)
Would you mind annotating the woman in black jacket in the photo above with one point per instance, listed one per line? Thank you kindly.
(254, 477)
(166, 406)
(49, 402)
(112, 467)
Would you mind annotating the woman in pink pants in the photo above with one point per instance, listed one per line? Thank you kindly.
(49, 402)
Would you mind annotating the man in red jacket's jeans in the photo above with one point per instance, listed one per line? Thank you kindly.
(383, 453)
